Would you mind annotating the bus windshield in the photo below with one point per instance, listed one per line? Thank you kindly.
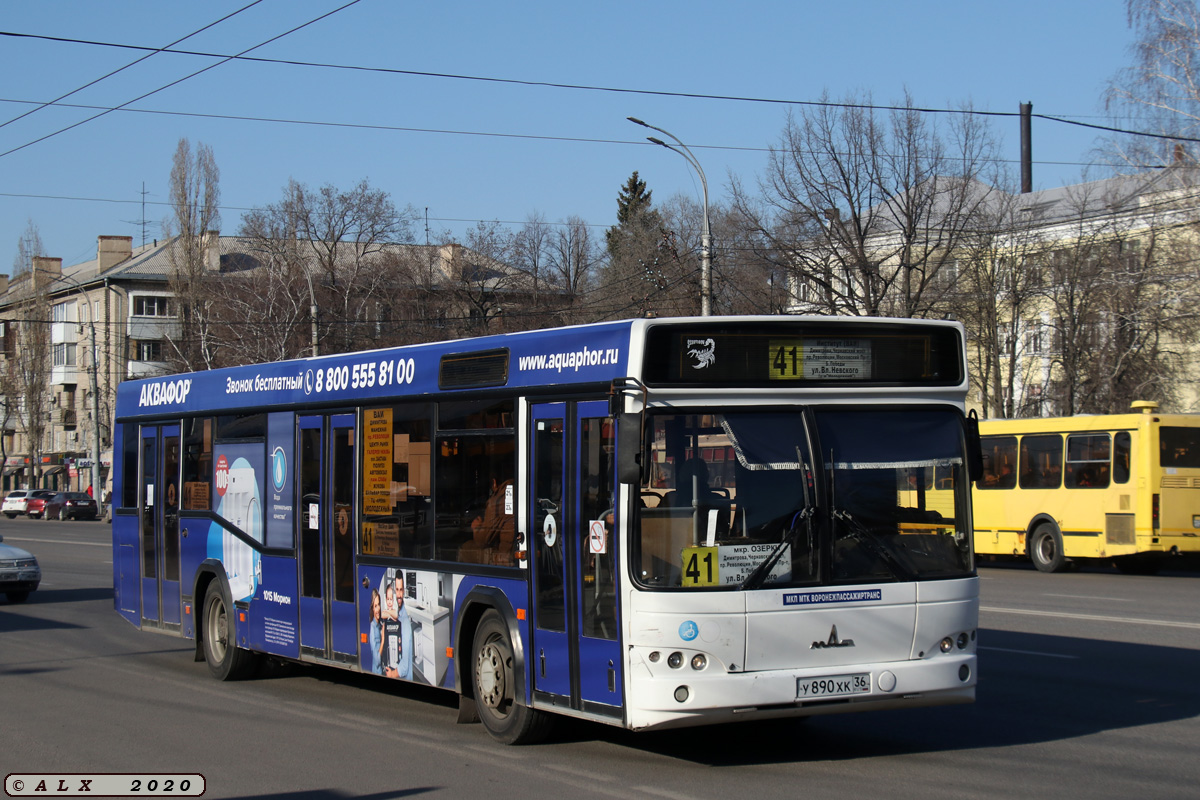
(738, 500)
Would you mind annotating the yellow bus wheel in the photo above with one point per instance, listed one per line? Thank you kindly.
(1046, 549)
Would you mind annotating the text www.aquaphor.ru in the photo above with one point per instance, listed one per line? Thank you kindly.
(585, 357)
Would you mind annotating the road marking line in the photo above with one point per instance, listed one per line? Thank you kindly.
(57, 541)
(1026, 652)
(1092, 597)
(657, 792)
(1093, 617)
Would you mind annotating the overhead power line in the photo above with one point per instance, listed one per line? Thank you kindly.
(180, 80)
(590, 88)
(151, 54)
(452, 132)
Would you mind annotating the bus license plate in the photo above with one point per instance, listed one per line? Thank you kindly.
(833, 686)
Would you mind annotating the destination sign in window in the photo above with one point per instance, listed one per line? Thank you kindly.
(819, 359)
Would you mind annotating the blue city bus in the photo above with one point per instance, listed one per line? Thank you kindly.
(648, 523)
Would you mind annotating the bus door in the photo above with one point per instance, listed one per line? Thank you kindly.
(576, 651)
(325, 518)
(159, 515)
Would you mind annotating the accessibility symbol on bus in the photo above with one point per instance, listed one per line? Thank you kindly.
(689, 631)
(550, 531)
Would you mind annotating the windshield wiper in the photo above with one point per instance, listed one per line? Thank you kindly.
(760, 573)
(857, 531)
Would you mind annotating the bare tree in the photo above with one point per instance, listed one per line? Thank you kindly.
(9, 396)
(574, 258)
(749, 277)
(195, 198)
(480, 281)
(424, 309)
(1120, 306)
(866, 209)
(996, 293)
(264, 296)
(29, 372)
(531, 258)
(344, 235)
(1160, 90)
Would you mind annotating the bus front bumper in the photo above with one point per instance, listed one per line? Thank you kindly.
(689, 697)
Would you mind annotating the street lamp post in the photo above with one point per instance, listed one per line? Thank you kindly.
(705, 235)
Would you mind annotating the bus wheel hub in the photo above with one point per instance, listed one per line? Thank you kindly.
(489, 674)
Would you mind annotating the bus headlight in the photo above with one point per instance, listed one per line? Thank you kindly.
(962, 641)
(675, 660)
(947, 644)
(699, 661)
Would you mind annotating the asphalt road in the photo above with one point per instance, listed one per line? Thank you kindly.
(1088, 688)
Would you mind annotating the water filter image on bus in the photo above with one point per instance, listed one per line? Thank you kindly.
(241, 505)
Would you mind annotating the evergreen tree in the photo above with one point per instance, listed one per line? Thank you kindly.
(645, 272)
(635, 217)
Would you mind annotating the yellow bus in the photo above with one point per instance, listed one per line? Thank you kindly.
(1123, 488)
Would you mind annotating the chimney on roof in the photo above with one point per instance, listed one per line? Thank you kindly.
(45, 270)
(47, 265)
(449, 259)
(212, 251)
(112, 250)
(1026, 148)
(3, 284)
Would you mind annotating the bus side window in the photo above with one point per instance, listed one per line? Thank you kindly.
(1041, 461)
(999, 463)
(1087, 461)
(1121, 453)
(129, 465)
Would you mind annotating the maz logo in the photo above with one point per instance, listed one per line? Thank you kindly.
(833, 641)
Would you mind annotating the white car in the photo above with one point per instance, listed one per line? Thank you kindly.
(19, 572)
(15, 503)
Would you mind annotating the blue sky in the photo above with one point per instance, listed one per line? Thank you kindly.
(470, 150)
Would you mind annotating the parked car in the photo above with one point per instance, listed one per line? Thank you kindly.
(14, 503)
(35, 505)
(19, 572)
(71, 505)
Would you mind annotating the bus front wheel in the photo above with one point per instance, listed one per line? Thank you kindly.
(226, 661)
(1046, 549)
(506, 718)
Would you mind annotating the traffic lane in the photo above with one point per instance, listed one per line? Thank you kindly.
(259, 737)
(1088, 717)
(1036, 724)
(1155, 610)
(75, 557)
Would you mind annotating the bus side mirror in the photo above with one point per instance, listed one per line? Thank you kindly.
(974, 446)
(629, 448)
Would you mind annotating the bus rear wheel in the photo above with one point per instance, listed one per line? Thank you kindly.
(226, 661)
(1046, 549)
(505, 717)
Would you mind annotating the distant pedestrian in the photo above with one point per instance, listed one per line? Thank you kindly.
(89, 491)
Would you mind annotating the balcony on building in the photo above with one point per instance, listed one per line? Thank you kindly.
(152, 321)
